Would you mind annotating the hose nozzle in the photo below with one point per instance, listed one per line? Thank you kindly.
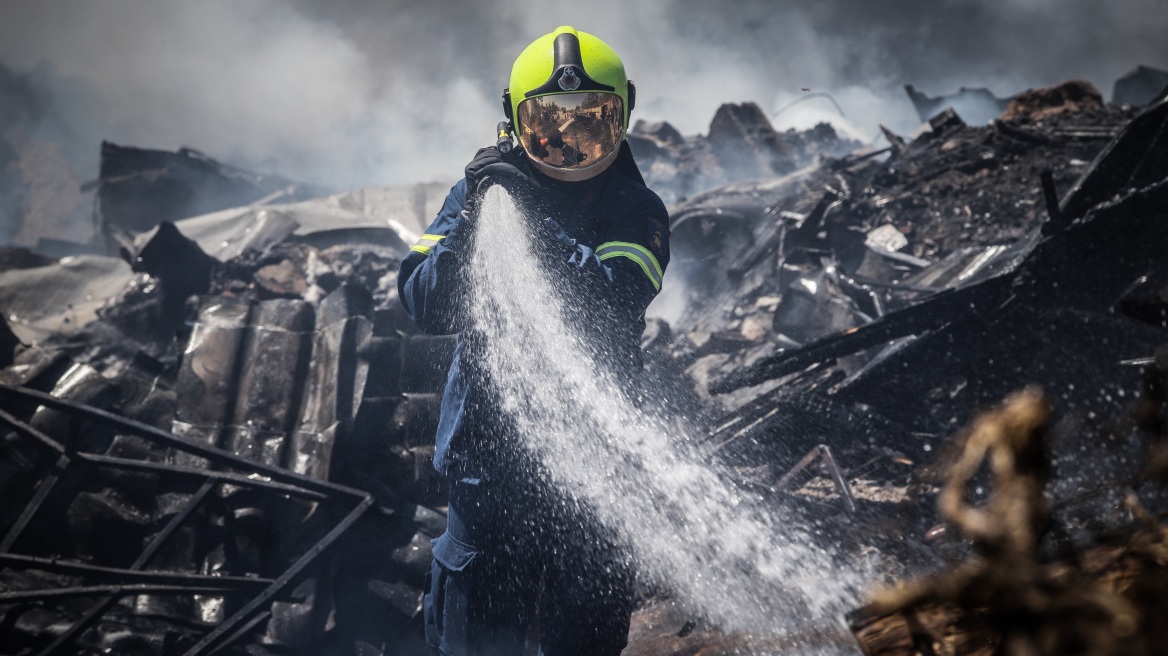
(505, 142)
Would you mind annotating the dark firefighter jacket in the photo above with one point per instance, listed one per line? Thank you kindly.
(614, 214)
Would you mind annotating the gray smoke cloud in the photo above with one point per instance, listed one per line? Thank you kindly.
(357, 92)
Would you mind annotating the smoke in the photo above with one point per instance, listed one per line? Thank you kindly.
(359, 92)
(261, 84)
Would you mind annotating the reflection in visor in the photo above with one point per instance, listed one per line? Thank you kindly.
(571, 130)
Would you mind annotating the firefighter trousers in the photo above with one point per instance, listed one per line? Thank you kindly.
(514, 554)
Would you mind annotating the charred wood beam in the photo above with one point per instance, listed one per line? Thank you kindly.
(29, 431)
(1137, 157)
(174, 523)
(130, 576)
(845, 162)
(121, 590)
(247, 627)
(46, 486)
(158, 467)
(1085, 132)
(180, 470)
(944, 308)
(156, 435)
(1027, 136)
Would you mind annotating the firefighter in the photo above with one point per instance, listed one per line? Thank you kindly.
(513, 544)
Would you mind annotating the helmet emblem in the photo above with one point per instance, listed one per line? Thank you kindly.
(569, 81)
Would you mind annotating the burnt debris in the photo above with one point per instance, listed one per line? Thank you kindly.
(193, 439)
(220, 441)
(871, 307)
(998, 294)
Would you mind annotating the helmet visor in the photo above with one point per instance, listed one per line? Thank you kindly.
(571, 131)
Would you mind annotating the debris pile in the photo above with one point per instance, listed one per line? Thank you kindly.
(809, 256)
(872, 307)
(191, 438)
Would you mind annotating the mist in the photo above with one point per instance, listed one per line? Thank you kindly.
(356, 92)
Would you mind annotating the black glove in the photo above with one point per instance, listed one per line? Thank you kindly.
(574, 253)
(491, 167)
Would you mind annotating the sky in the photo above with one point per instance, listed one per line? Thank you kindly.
(348, 93)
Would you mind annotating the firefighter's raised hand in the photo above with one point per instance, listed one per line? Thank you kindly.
(490, 167)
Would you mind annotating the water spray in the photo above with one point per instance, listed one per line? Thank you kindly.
(739, 564)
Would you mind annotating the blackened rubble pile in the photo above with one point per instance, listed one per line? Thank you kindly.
(869, 308)
(184, 472)
(824, 251)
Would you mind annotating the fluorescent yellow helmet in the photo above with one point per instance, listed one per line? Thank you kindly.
(569, 104)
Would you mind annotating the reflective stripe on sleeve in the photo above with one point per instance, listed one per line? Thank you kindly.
(636, 253)
(426, 243)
